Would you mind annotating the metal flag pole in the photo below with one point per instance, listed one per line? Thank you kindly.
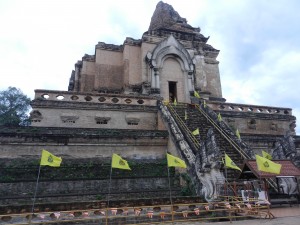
(34, 196)
(225, 167)
(172, 213)
(170, 195)
(108, 195)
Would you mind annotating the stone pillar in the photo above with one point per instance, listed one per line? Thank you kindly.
(156, 73)
(152, 78)
(78, 66)
(190, 81)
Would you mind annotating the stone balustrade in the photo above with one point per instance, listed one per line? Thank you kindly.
(233, 107)
(66, 96)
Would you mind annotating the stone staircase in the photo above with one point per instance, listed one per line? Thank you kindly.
(206, 120)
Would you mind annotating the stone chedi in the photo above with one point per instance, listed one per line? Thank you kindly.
(113, 105)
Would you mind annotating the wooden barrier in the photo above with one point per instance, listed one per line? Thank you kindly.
(228, 208)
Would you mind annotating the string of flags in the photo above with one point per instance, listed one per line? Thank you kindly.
(48, 159)
(264, 162)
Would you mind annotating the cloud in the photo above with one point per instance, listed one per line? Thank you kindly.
(259, 41)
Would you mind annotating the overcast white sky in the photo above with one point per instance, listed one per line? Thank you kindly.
(40, 41)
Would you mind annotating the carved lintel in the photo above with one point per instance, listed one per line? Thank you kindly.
(36, 114)
(102, 119)
(68, 117)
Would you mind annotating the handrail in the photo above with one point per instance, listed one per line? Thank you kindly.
(228, 138)
(192, 137)
(220, 130)
(183, 125)
(188, 132)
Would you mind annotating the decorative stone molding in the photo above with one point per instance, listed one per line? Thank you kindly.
(171, 46)
(68, 117)
(132, 119)
(36, 114)
(102, 119)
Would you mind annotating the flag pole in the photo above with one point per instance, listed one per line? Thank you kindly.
(225, 167)
(172, 213)
(34, 196)
(109, 186)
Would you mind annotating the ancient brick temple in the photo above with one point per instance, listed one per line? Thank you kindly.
(114, 105)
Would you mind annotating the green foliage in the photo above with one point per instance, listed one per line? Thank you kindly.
(14, 106)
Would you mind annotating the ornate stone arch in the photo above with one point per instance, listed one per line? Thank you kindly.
(170, 47)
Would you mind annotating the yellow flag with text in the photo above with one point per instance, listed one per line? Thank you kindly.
(230, 164)
(219, 117)
(185, 115)
(118, 162)
(196, 132)
(48, 159)
(196, 94)
(266, 155)
(175, 161)
(175, 102)
(266, 165)
(237, 133)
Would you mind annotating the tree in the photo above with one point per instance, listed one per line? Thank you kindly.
(14, 106)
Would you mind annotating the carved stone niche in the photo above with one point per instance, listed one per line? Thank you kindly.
(102, 119)
(68, 118)
(252, 124)
(36, 116)
(132, 120)
(273, 126)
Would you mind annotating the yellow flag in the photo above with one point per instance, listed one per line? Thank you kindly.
(196, 94)
(175, 161)
(175, 102)
(237, 133)
(219, 117)
(266, 165)
(185, 115)
(118, 162)
(230, 164)
(49, 159)
(266, 155)
(196, 132)
(204, 104)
